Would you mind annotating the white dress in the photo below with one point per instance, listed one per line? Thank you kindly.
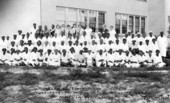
(162, 43)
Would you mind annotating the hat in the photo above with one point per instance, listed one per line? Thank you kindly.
(157, 51)
(12, 42)
(133, 40)
(4, 50)
(150, 32)
(49, 51)
(63, 50)
(146, 40)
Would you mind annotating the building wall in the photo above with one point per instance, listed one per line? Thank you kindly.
(18, 15)
(156, 16)
(167, 24)
(167, 11)
(110, 6)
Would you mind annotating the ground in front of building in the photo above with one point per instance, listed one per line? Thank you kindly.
(84, 85)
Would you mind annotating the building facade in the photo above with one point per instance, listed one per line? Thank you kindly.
(134, 15)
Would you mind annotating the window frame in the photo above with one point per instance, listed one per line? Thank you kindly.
(95, 23)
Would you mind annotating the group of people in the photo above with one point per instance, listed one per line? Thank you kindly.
(75, 46)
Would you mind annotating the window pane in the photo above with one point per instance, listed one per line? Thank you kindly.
(137, 24)
(118, 18)
(61, 15)
(142, 25)
(92, 20)
(131, 23)
(83, 17)
(101, 20)
(71, 16)
(124, 23)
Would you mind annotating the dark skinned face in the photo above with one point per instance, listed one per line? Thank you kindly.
(34, 26)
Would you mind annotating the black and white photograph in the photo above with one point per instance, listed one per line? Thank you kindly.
(84, 51)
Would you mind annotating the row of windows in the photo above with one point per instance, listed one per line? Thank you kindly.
(124, 22)
(95, 19)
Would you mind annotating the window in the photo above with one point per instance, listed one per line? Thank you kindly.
(137, 24)
(131, 23)
(92, 20)
(83, 18)
(142, 25)
(66, 15)
(125, 22)
(71, 16)
(117, 27)
(61, 17)
(101, 18)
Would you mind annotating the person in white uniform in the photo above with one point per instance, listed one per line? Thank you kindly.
(33, 30)
(127, 59)
(163, 44)
(100, 59)
(149, 59)
(134, 59)
(119, 58)
(157, 60)
(112, 33)
(110, 58)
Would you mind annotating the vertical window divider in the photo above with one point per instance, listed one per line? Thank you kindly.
(97, 20)
(134, 26)
(140, 24)
(121, 24)
(127, 22)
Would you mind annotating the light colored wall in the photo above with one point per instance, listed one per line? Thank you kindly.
(18, 14)
(167, 11)
(156, 16)
(110, 6)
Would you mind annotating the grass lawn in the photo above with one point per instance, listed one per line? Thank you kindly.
(84, 85)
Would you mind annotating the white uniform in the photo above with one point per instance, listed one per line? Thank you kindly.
(33, 59)
(162, 43)
(25, 57)
(72, 58)
(154, 47)
(89, 59)
(32, 33)
(119, 59)
(158, 61)
(64, 59)
(149, 60)
(88, 33)
(142, 48)
(112, 33)
(124, 47)
(110, 59)
(57, 32)
(135, 61)
(54, 60)
(148, 48)
(100, 59)
(127, 60)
